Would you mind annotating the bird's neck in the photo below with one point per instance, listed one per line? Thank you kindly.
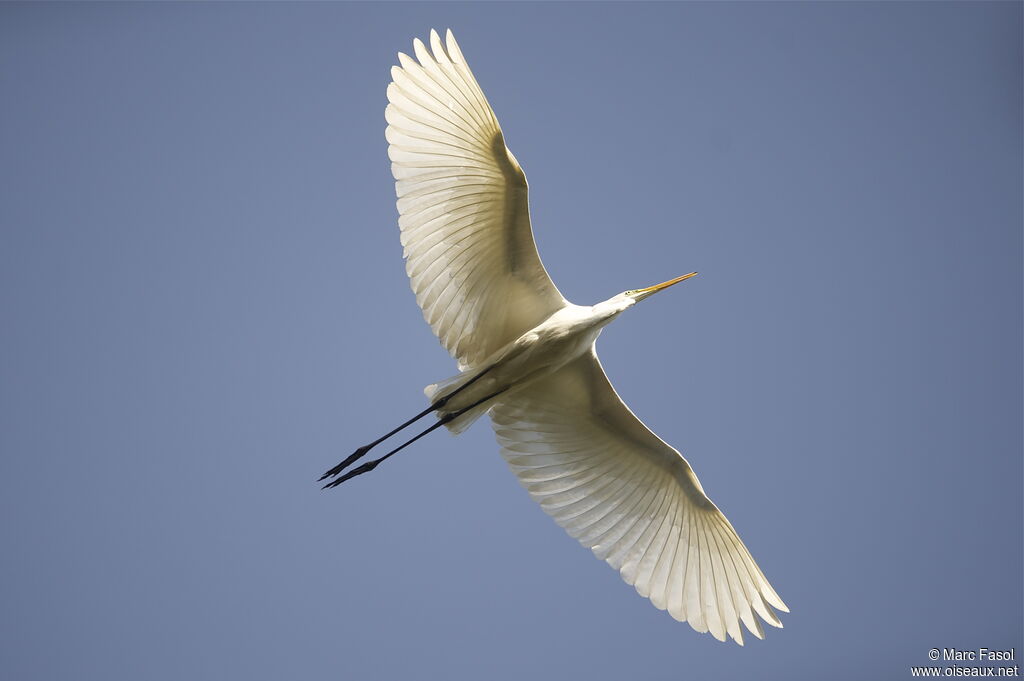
(606, 311)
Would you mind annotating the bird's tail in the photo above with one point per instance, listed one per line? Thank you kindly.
(441, 389)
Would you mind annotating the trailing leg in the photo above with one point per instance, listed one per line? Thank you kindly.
(370, 465)
(434, 406)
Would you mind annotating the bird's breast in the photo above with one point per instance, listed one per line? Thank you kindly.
(547, 348)
(539, 352)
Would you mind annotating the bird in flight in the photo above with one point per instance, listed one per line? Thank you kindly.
(526, 356)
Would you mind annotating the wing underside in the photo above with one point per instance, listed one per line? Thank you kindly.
(463, 205)
(632, 499)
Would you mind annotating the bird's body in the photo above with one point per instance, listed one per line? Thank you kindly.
(564, 336)
(527, 356)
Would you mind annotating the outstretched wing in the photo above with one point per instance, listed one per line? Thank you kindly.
(632, 499)
(462, 198)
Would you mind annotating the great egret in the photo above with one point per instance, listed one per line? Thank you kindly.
(527, 356)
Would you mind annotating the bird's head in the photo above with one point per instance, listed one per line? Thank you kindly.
(614, 306)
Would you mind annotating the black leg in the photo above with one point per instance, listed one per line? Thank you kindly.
(361, 452)
(370, 465)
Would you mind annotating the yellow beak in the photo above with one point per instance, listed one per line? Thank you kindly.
(650, 290)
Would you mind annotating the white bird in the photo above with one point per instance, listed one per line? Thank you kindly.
(526, 355)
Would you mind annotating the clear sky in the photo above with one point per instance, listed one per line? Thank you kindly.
(203, 306)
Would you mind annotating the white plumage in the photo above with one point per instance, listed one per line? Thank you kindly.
(464, 211)
(527, 356)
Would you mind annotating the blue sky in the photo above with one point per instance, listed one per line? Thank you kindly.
(204, 306)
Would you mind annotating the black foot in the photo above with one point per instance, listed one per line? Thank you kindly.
(359, 470)
(352, 458)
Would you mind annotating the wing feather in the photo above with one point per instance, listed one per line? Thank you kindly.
(463, 207)
(632, 499)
